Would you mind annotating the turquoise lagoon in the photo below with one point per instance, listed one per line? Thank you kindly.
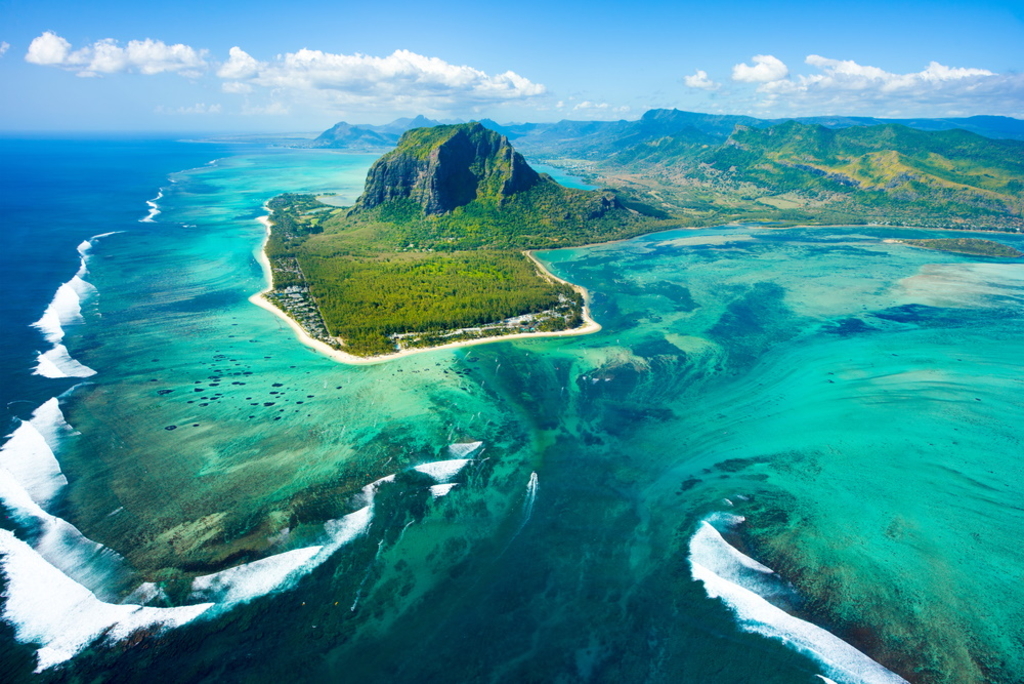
(786, 449)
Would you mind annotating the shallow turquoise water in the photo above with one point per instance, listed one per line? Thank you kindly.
(856, 401)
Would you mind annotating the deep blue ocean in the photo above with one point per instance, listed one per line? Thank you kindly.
(790, 455)
(56, 194)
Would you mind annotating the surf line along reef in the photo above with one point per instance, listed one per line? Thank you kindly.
(436, 252)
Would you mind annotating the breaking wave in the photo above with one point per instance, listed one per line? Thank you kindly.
(47, 607)
(65, 309)
(745, 586)
(154, 208)
(64, 590)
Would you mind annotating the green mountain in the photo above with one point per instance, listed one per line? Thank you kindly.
(463, 186)
(596, 139)
(887, 173)
(808, 172)
(446, 167)
(432, 252)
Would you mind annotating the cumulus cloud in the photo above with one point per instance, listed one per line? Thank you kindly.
(701, 81)
(587, 105)
(402, 80)
(48, 49)
(107, 56)
(766, 68)
(844, 86)
(310, 79)
(4, 47)
(239, 65)
(850, 75)
(197, 108)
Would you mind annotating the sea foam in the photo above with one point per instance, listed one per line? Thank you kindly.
(439, 490)
(57, 363)
(243, 583)
(29, 453)
(154, 208)
(47, 607)
(51, 594)
(464, 449)
(443, 471)
(30, 479)
(345, 529)
(736, 578)
(63, 310)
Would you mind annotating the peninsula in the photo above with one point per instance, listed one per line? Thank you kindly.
(970, 246)
(435, 252)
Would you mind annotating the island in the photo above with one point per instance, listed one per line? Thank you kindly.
(971, 246)
(437, 249)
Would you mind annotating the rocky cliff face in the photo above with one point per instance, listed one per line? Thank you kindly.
(445, 167)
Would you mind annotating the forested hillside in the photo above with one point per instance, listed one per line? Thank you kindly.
(433, 250)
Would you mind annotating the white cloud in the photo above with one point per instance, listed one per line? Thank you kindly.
(4, 47)
(849, 75)
(846, 87)
(402, 80)
(107, 57)
(307, 79)
(48, 49)
(701, 81)
(272, 109)
(600, 110)
(766, 69)
(239, 65)
(236, 88)
(198, 108)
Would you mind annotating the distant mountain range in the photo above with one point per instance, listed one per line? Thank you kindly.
(595, 137)
(706, 169)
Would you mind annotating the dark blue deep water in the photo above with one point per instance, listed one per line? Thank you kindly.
(53, 195)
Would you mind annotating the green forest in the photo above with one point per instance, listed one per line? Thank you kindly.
(378, 275)
(433, 250)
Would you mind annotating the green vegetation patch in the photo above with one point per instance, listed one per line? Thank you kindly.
(805, 173)
(365, 302)
(432, 251)
(387, 278)
(972, 246)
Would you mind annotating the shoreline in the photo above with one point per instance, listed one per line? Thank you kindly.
(589, 324)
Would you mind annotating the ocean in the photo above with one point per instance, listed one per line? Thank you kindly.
(791, 455)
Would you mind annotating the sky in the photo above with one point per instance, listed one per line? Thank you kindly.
(257, 66)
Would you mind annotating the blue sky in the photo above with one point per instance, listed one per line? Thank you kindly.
(302, 66)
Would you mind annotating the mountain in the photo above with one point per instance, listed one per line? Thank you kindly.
(346, 136)
(598, 139)
(432, 252)
(445, 167)
(463, 186)
(400, 126)
(367, 137)
(886, 173)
